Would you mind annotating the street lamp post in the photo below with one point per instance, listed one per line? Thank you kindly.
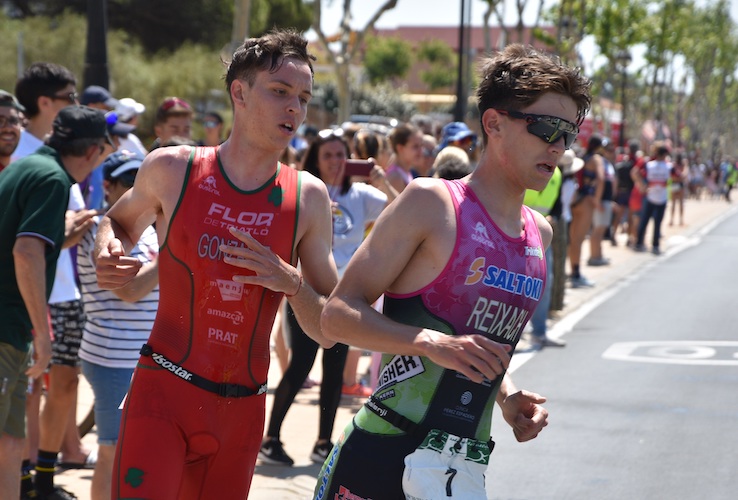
(623, 58)
(463, 68)
(96, 54)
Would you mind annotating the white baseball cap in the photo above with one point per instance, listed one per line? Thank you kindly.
(127, 108)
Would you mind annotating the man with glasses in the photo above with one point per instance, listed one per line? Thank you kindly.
(10, 126)
(44, 89)
(461, 265)
(35, 193)
(227, 215)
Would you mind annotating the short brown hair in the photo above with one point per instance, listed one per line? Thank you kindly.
(266, 54)
(519, 75)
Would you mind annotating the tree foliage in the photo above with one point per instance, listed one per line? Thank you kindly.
(440, 57)
(386, 58)
(165, 25)
(193, 72)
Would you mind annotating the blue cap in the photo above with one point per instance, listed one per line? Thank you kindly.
(95, 93)
(455, 131)
(121, 162)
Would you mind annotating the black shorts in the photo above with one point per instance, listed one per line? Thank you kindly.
(366, 465)
(67, 323)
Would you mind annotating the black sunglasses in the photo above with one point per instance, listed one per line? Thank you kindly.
(71, 97)
(546, 127)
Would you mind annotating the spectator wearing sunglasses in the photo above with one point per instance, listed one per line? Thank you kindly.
(173, 119)
(43, 90)
(212, 124)
(461, 265)
(11, 115)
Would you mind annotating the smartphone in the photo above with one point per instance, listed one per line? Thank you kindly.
(358, 167)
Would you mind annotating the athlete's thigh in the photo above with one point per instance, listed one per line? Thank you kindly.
(230, 471)
(151, 450)
(149, 459)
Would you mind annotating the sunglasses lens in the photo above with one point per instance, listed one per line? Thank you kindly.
(552, 129)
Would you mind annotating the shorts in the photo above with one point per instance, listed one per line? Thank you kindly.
(177, 437)
(67, 322)
(110, 386)
(602, 218)
(622, 198)
(358, 459)
(13, 386)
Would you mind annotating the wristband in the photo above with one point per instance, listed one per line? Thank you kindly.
(299, 286)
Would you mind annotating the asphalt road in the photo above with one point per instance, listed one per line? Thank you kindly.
(643, 401)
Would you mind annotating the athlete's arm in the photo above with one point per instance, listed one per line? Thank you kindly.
(522, 410)
(316, 259)
(408, 247)
(306, 289)
(159, 179)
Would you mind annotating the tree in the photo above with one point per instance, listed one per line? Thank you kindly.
(349, 42)
(167, 24)
(440, 57)
(386, 58)
(492, 8)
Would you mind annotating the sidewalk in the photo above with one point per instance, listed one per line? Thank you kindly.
(301, 425)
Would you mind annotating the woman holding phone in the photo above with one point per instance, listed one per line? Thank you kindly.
(355, 205)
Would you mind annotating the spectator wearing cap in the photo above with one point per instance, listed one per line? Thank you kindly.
(460, 135)
(92, 187)
(173, 119)
(98, 97)
(212, 123)
(10, 126)
(128, 111)
(35, 190)
(43, 90)
(111, 342)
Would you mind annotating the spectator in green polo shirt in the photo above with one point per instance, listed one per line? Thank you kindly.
(35, 193)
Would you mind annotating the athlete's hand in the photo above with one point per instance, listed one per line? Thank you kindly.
(475, 356)
(269, 269)
(113, 268)
(522, 410)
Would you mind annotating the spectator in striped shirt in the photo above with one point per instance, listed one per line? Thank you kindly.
(118, 321)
